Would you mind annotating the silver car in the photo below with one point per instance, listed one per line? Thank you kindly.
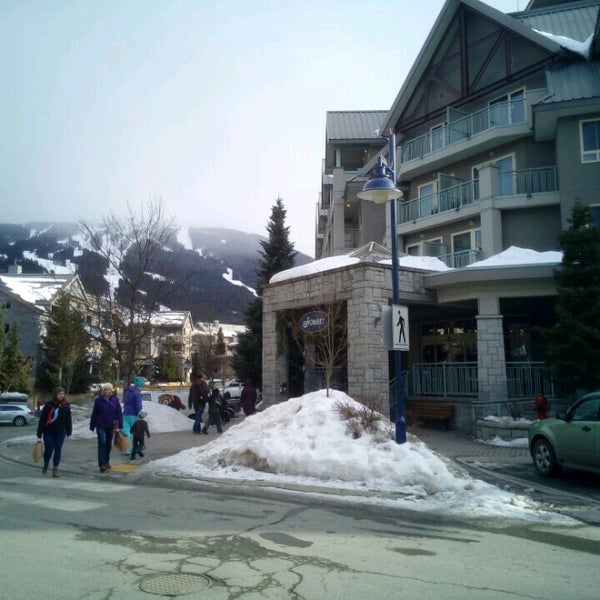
(17, 414)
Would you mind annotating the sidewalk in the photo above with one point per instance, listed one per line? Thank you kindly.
(80, 454)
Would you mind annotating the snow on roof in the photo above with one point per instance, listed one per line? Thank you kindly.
(35, 289)
(170, 317)
(427, 263)
(511, 256)
(519, 256)
(581, 48)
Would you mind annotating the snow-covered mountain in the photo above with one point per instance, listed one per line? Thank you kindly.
(223, 264)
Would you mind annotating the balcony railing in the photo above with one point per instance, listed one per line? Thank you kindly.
(351, 237)
(501, 114)
(511, 183)
(464, 258)
(530, 181)
(448, 199)
(524, 379)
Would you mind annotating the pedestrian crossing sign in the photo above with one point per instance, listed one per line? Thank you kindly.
(399, 327)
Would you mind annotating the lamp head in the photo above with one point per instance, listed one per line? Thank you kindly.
(380, 188)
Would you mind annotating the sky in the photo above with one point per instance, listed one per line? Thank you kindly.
(305, 442)
(217, 108)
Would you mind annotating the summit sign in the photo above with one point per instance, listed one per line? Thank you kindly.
(313, 321)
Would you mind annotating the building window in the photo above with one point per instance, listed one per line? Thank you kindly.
(595, 210)
(437, 137)
(466, 247)
(5, 304)
(590, 141)
(508, 109)
(428, 200)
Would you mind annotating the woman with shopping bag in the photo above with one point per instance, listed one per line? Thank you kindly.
(55, 424)
(106, 418)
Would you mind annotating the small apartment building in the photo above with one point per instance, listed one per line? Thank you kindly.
(497, 131)
(27, 300)
(171, 331)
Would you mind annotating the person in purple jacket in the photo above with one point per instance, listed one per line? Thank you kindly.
(132, 406)
(107, 417)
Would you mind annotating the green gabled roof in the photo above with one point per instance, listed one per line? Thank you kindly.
(354, 125)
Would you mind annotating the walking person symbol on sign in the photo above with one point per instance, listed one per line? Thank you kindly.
(400, 327)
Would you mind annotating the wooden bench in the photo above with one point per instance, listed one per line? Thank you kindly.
(429, 411)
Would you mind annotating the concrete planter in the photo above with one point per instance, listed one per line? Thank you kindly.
(506, 429)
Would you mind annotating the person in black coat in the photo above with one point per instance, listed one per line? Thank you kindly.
(197, 399)
(55, 424)
(248, 398)
(214, 411)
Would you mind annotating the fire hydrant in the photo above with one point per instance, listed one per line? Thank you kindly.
(541, 406)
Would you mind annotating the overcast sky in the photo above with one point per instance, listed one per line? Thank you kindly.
(217, 107)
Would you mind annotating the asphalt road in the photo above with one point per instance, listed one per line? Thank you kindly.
(82, 537)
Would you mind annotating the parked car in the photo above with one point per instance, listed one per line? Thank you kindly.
(12, 397)
(570, 439)
(17, 414)
(94, 388)
(233, 392)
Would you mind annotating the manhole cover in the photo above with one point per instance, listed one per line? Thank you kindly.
(174, 585)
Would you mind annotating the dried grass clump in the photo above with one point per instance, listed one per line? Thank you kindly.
(359, 419)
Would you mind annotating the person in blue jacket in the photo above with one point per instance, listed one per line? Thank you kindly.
(106, 418)
(132, 406)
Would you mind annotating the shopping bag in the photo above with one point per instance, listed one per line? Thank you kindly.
(121, 441)
(38, 451)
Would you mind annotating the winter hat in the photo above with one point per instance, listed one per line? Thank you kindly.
(58, 390)
(139, 382)
(142, 414)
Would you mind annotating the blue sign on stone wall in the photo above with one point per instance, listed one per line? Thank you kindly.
(313, 321)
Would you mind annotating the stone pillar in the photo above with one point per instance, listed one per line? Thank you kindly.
(274, 370)
(367, 357)
(491, 361)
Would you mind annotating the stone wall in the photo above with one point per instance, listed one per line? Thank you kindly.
(366, 287)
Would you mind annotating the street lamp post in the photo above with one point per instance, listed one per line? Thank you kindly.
(381, 188)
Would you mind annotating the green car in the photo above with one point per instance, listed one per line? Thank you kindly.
(570, 439)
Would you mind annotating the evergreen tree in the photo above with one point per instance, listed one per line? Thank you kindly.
(167, 366)
(572, 346)
(15, 366)
(277, 255)
(65, 345)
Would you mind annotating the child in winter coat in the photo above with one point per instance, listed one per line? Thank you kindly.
(138, 430)
(214, 411)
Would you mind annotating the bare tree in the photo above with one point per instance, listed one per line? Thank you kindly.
(326, 348)
(133, 245)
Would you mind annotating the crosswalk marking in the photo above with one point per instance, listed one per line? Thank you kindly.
(100, 487)
(67, 505)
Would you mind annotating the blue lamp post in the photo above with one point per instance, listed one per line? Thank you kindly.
(381, 188)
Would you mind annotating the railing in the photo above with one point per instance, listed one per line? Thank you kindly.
(444, 379)
(523, 379)
(501, 114)
(526, 379)
(528, 181)
(457, 260)
(351, 237)
(448, 199)
(511, 183)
